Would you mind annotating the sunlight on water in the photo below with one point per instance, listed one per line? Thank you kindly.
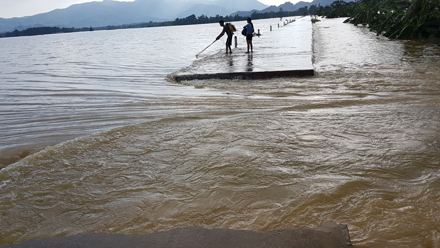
(357, 144)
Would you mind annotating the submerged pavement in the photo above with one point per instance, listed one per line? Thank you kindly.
(327, 236)
(283, 52)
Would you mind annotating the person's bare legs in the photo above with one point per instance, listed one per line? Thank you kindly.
(249, 45)
(228, 49)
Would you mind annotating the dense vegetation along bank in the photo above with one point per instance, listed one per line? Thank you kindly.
(403, 19)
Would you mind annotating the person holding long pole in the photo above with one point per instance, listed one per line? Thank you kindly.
(229, 32)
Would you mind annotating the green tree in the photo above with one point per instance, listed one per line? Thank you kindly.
(401, 19)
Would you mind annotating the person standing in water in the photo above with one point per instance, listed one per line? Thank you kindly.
(228, 31)
(249, 33)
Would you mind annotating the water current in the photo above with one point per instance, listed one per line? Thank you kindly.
(96, 138)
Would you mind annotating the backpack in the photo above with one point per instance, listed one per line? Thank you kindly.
(231, 27)
(244, 32)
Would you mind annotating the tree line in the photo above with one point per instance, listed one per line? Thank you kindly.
(43, 30)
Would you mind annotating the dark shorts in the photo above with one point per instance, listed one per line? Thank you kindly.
(229, 41)
(249, 37)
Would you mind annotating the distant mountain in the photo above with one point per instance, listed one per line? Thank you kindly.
(83, 15)
(108, 12)
(204, 9)
(244, 13)
(288, 6)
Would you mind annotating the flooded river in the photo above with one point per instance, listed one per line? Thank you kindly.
(122, 149)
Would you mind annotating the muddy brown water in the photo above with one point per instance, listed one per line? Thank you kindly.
(122, 152)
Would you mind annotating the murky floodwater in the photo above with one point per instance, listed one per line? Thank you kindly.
(356, 144)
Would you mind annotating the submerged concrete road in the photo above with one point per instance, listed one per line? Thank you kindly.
(283, 52)
(327, 236)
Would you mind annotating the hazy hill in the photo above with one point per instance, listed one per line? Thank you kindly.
(84, 15)
(204, 9)
(108, 12)
(288, 6)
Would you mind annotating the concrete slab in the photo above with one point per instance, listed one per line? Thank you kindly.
(283, 52)
(327, 236)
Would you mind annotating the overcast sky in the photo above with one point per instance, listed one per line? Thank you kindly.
(20, 8)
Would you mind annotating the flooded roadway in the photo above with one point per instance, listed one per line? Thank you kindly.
(356, 144)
